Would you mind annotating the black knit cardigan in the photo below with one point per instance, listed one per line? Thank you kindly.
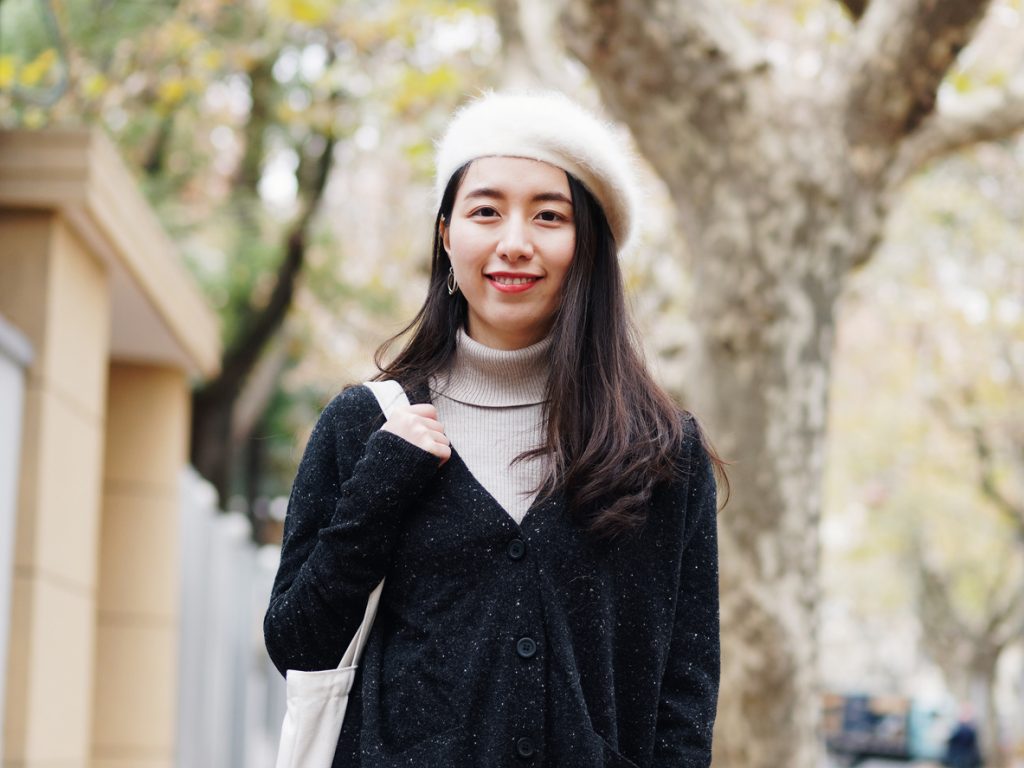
(496, 643)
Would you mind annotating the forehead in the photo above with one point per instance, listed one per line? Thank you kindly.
(514, 176)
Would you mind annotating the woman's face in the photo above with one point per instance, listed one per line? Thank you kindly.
(510, 241)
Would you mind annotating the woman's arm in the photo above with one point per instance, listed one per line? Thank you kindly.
(344, 513)
(689, 688)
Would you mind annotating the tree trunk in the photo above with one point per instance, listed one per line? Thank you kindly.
(760, 380)
(983, 697)
(781, 188)
(775, 217)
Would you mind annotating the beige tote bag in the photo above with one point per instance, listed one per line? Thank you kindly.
(317, 700)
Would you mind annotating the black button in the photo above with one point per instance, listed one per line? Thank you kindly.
(526, 647)
(516, 549)
(524, 747)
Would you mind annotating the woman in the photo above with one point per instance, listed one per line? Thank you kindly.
(545, 517)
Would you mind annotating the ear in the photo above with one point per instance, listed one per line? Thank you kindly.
(445, 239)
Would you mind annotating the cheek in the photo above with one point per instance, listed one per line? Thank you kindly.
(563, 257)
(465, 246)
(562, 276)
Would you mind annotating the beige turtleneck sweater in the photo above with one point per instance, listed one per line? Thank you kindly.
(491, 406)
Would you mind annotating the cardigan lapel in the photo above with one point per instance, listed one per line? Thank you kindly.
(459, 467)
(421, 394)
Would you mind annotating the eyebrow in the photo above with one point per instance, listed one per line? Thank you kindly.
(554, 197)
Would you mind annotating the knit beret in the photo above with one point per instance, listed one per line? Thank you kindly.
(548, 126)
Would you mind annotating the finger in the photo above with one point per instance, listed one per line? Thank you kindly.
(440, 438)
(432, 424)
(444, 453)
(423, 428)
(432, 442)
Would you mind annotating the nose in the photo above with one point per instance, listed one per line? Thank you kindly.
(515, 240)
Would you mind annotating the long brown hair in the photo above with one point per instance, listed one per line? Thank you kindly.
(612, 433)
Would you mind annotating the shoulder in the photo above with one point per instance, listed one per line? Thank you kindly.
(349, 418)
(692, 455)
(695, 481)
(353, 402)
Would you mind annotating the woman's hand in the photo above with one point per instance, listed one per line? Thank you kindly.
(418, 425)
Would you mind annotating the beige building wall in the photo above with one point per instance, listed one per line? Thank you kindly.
(56, 293)
(118, 328)
(137, 617)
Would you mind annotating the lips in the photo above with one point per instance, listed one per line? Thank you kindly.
(513, 282)
(512, 278)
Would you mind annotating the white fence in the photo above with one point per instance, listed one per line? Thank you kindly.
(231, 698)
(15, 356)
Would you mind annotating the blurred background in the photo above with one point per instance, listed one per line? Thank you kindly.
(213, 211)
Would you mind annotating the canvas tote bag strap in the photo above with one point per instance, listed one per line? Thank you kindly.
(390, 395)
(317, 700)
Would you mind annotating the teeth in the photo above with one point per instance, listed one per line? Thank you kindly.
(513, 280)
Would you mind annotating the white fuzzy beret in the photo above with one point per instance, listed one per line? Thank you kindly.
(546, 126)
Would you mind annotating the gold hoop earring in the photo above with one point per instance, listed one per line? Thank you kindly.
(452, 285)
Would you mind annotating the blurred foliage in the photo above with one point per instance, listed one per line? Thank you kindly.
(801, 33)
(221, 105)
(930, 360)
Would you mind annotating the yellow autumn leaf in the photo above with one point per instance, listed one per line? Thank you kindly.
(8, 68)
(34, 72)
(33, 118)
(212, 59)
(285, 114)
(184, 37)
(303, 11)
(418, 150)
(419, 87)
(834, 37)
(961, 82)
(998, 79)
(95, 85)
(171, 92)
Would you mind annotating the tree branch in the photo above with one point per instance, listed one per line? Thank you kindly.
(259, 387)
(899, 56)
(156, 157)
(948, 132)
(987, 483)
(1012, 627)
(855, 8)
(263, 92)
(1006, 613)
(944, 625)
(519, 68)
(687, 61)
(1014, 513)
(259, 327)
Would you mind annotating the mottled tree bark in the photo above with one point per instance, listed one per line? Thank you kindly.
(782, 188)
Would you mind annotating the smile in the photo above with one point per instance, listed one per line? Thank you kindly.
(511, 284)
(513, 280)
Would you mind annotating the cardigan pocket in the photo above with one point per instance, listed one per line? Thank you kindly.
(439, 749)
(611, 757)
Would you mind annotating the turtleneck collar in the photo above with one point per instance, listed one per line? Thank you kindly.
(497, 378)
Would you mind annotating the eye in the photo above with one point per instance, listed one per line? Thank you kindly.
(551, 216)
(485, 211)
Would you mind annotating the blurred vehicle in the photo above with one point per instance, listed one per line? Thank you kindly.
(859, 726)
